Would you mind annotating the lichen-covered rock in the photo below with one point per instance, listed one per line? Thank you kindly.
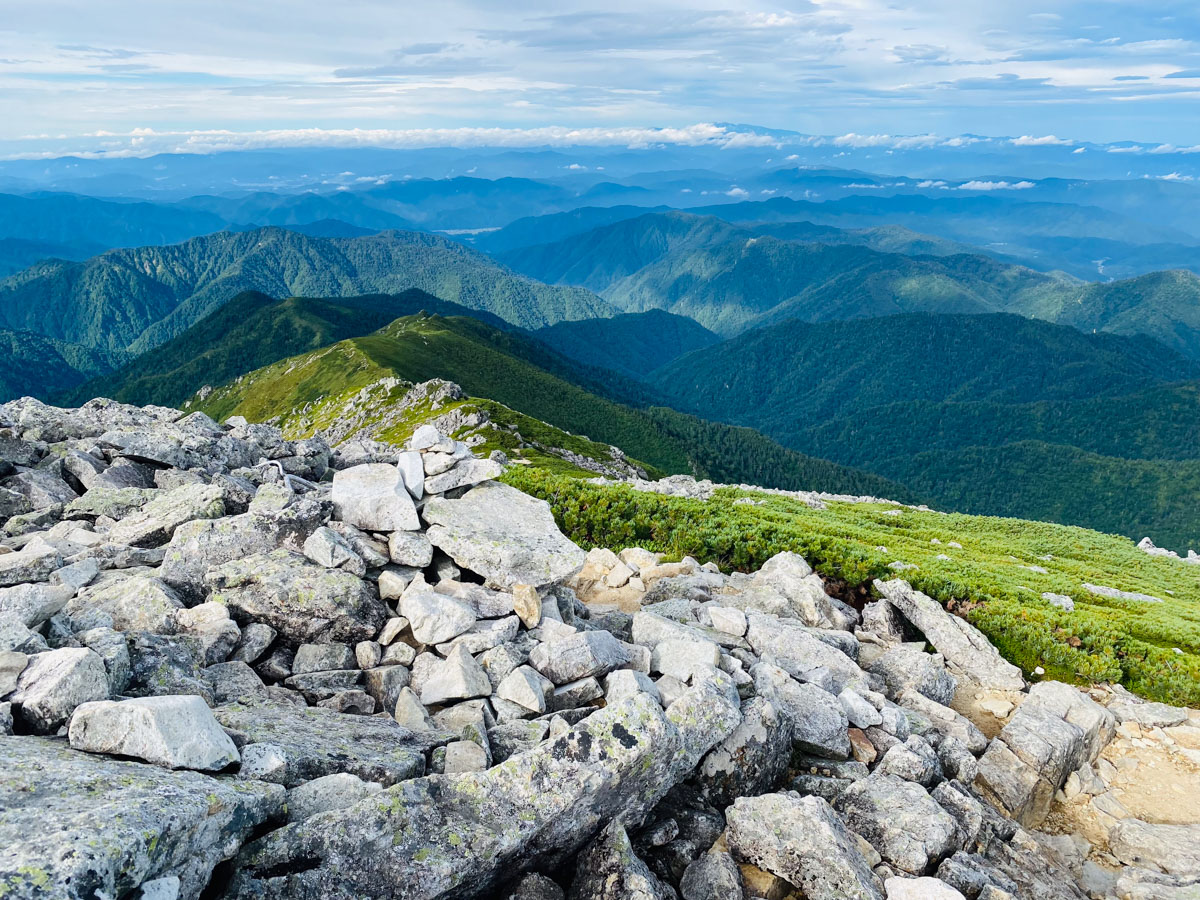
(503, 534)
(80, 826)
(33, 604)
(713, 876)
(327, 792)
(900, 820)
(175, 732)
(135, 602)
(155, 523)
(608, 869)
(581, 655)
(298, 599)
(461, 835)
(909, 668)
(797, 649)
(802, 840)
(320, 742)
(819, 724)
(752, 759)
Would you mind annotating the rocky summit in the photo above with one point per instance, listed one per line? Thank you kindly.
(234, 665)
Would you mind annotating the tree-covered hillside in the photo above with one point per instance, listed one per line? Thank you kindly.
(138, 298)
(634, 344)
(995, 414)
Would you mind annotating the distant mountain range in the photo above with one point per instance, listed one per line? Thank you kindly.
(730, 279)
(133, 300)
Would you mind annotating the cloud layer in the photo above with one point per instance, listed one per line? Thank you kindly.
(366, 69)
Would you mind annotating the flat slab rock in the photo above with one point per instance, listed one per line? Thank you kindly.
(319, 742)
(80, 826)
(503, 534)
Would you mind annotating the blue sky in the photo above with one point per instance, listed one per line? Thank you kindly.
(132, 76)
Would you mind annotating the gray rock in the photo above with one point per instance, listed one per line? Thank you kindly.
(299, 600)
(233, 681)
(410, 548)
(914, 760)
(787, 586)
(34, 562)
(210, 624)
(900, 820)
(1054, 732)
(316, 742)
(535, 887)
(15, 636)
(33, 604)
(373, 497)
(484, 635)
(80, 826)
(624, 682)
(967, 652)
(608, 869)
(323, 658)
(410, 712)
(803, 841)
(12, 664)
(1173, 849)
(372, 552)
(503, 534)
(196, 547)
(1148, 715)
(943, 720)
(575, 694)
(135, 602)
(526, 687)
(327, 548)
(164, 664)
(580, 655)
(385, 684)
(819, 724)
(435, 618)
(713, 876)
(923, 888)
(41, 488)
(155, 523)
(486, 827)
(465, 472)
(752, 759)
(797, 648)
(464, 756)
(256, 639)
(327, 792)
(175, 732)
(54, 683)
(860, 713)
(6, 719)
(908, 668)
(457, 677)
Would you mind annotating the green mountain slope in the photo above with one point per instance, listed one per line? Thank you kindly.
(250, 331)
(730, 278)
(138, 298)
(938, 403)
(32, 365)
(308, 392)
(633, 344)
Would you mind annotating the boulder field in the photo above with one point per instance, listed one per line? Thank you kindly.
(238, 666)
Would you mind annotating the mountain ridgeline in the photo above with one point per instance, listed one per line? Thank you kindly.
(732, 278)
(135, 299)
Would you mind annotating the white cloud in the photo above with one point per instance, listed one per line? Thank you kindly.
(1080, 150)
(1175, 176)
(1049, 140)
(996, 186)
(931, 184)
(904, 142)
(738, 193)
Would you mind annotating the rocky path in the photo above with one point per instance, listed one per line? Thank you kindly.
(233, 665)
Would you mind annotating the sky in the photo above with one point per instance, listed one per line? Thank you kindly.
(126, 77)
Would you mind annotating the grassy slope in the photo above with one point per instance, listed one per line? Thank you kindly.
(991, 575)
(252, 331)
(529, 378)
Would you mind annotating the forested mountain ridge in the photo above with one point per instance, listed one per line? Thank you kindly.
(137, 298)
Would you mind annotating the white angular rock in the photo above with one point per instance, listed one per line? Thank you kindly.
(465, 472)
(503, 534)
(410, 548)
(526, 687)
(434, 617)
(925, 888)
(457, 677)
(682, 658)
(327, 548)
(53, 684)
(177, 732)
(373, 497)
(626, 682)
(412, 473)
(728, 619)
